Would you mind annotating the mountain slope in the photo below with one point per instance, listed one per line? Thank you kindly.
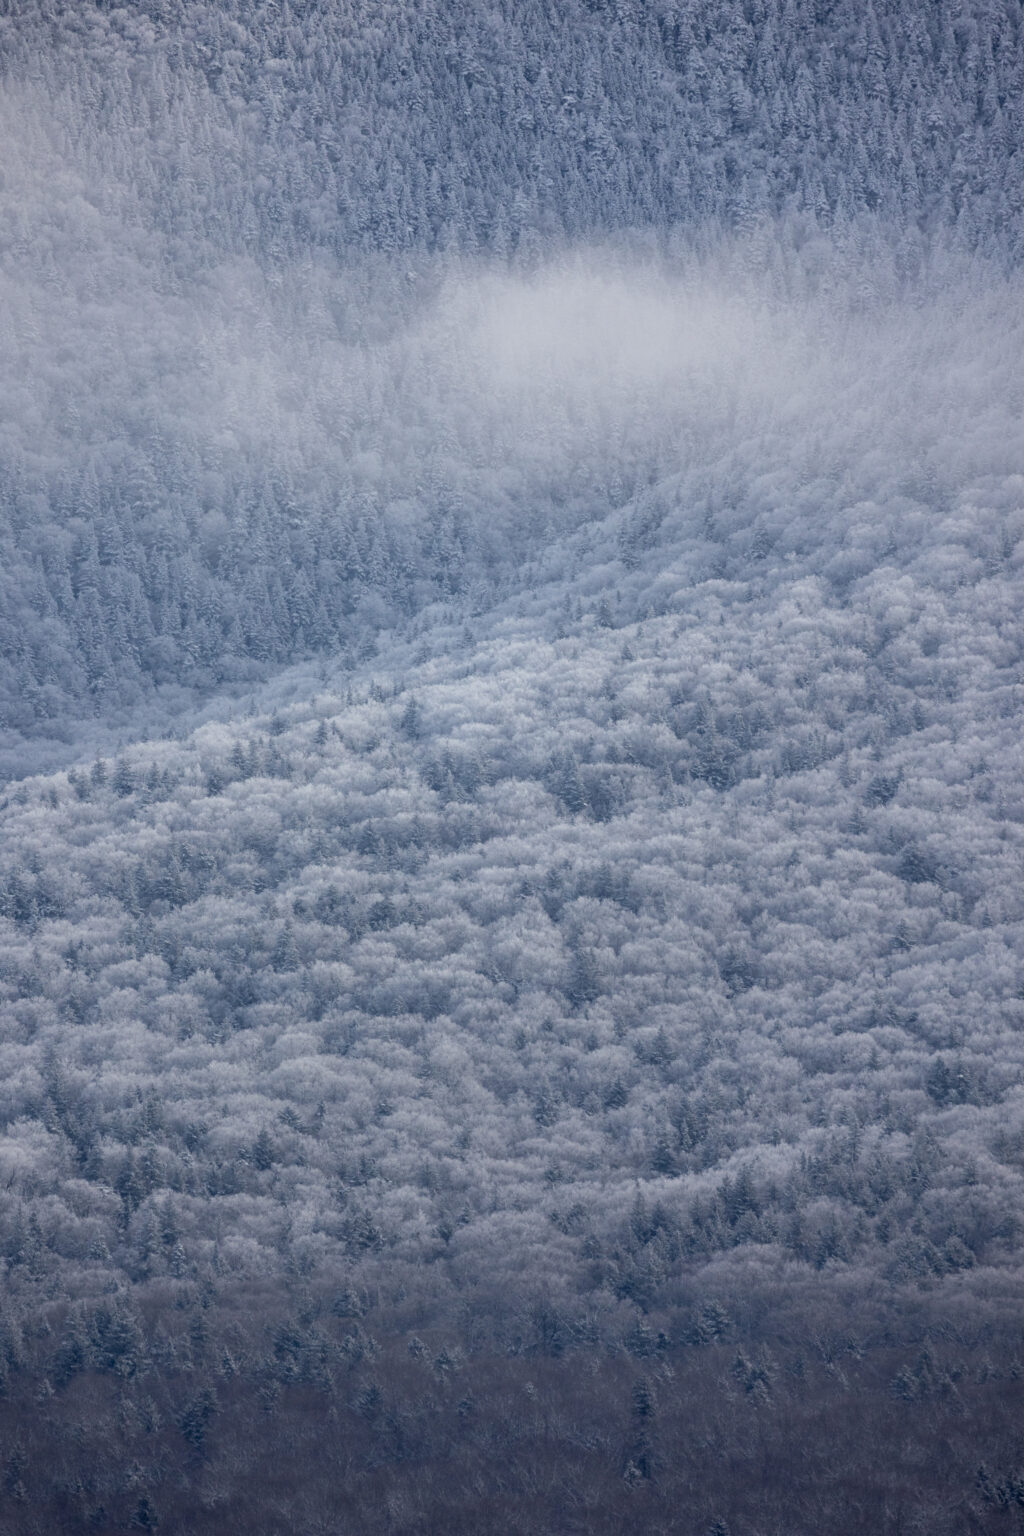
(558, 973)
(235, 427)
(511, 934)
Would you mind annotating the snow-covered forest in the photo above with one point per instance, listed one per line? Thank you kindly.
(511, 906)
(251, 271)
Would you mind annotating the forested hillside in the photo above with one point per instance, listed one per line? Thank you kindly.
(623, 978)
(511, 928)
(263, 127)
(231, 430)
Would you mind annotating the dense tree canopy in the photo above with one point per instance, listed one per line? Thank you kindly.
(239, 424)
(511, 932)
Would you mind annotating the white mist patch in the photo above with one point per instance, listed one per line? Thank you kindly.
(578, 348)
(584, 373)
(553, 394)
(584, 331)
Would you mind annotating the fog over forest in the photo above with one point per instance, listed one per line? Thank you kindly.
(511, 917)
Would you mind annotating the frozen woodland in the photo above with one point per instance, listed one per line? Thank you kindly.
(511, 695)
